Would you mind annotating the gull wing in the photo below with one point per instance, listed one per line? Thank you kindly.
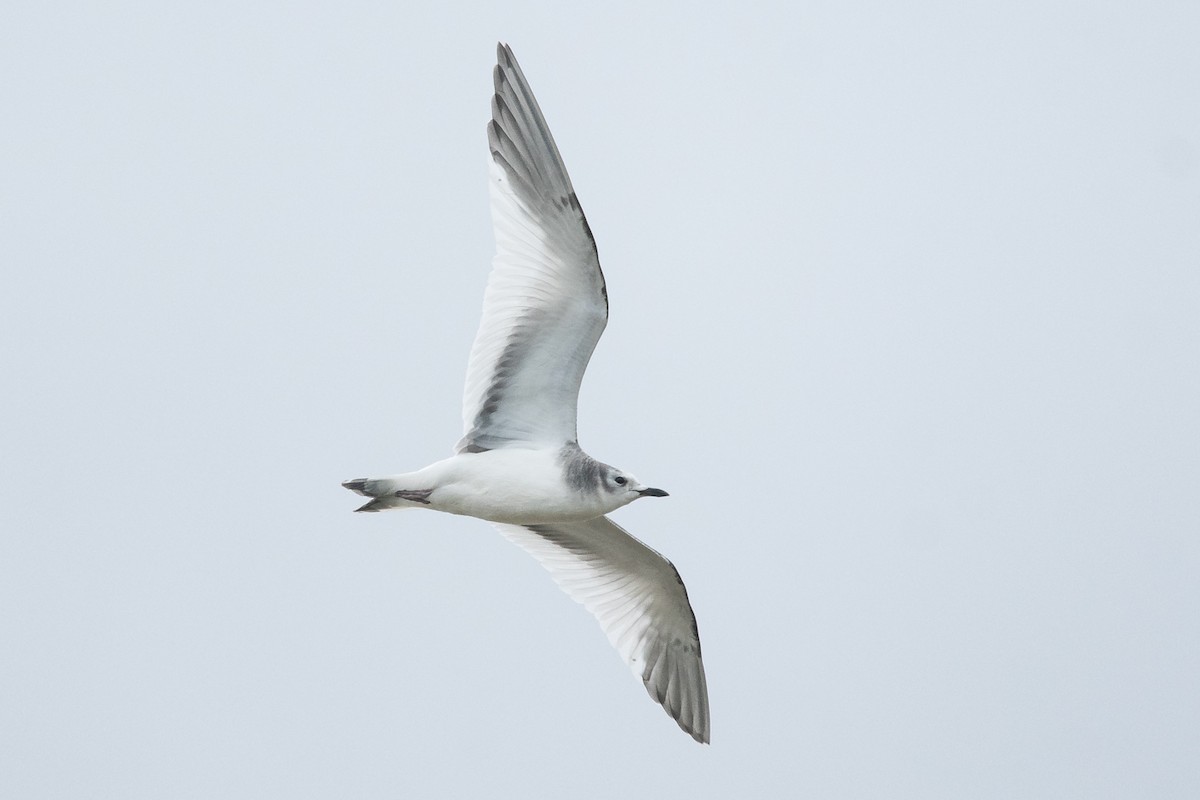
(639, 600)
(546, 303)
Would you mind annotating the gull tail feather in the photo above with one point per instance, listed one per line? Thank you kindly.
(385, 494)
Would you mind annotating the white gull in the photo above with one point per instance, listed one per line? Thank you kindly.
(519, 464)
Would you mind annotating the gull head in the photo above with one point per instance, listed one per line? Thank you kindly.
(626, 487)
(609, 487)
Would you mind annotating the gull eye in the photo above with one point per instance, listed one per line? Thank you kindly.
(619, 480)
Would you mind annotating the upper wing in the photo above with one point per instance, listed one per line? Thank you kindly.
(546, 303)
(640, 602)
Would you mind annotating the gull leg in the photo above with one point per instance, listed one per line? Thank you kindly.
(414, 495)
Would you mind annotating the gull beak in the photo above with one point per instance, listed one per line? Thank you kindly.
(652, 493)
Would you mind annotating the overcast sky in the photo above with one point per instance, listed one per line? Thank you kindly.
(905, 316)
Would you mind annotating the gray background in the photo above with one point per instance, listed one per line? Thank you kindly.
(905, 315)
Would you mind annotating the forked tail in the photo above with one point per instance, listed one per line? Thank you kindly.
(384, 494)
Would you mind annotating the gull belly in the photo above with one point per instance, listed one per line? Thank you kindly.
(515, 486)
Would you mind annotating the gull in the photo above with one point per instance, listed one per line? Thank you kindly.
(519, 464)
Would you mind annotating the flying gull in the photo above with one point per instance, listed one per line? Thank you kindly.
(519, 464)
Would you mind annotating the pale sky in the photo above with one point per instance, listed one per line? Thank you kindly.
(905, 316)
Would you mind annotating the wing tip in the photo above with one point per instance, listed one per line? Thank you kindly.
(505, 60)
(695, 724)
(675, 680)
